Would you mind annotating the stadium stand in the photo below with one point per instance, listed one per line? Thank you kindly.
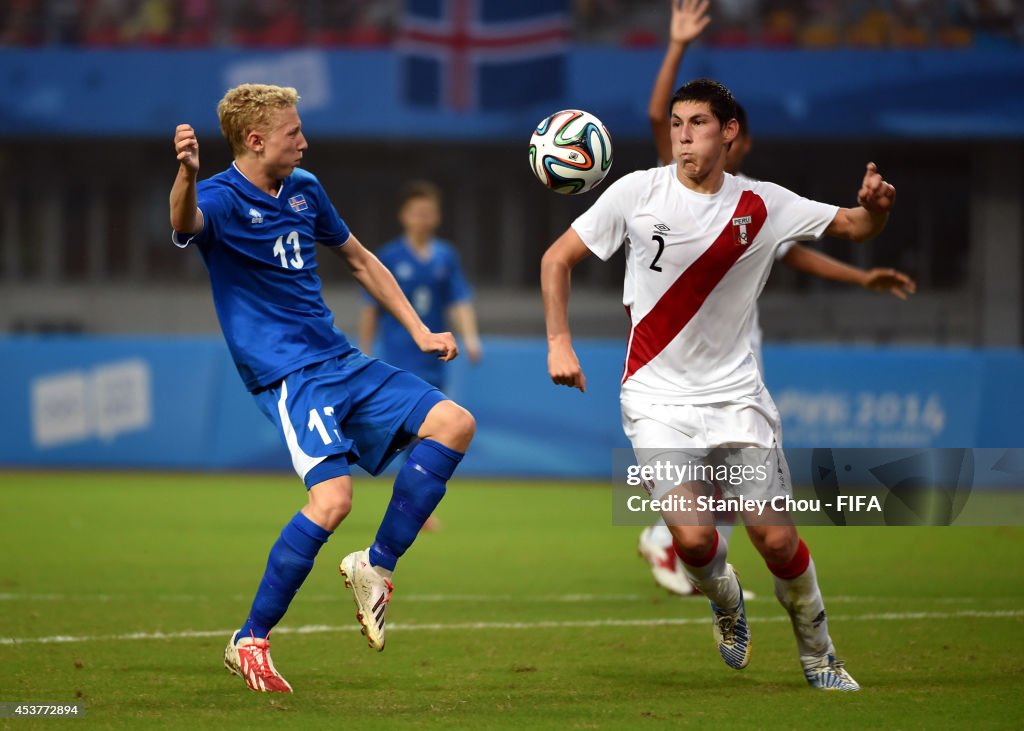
(737, 23)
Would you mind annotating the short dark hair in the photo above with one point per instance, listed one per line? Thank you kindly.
(419, 189)
(722, 102)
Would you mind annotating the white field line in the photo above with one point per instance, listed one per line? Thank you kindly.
(543, 624)
(474, 598)
(502, 598)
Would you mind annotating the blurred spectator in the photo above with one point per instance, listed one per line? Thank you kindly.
(377, 20)
(823, 20)
(269, 23)
(353, 22)
(103, 21)
(914, 23)
(598, 20)
(734, 22)
(779, 29)
(873, 27)
(332, 21)
(63, 21)
(152, 23)
(197, 23)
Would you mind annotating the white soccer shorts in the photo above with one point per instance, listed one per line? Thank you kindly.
(733, 447)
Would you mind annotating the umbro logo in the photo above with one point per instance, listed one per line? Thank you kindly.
(662, 228)
(255, 216)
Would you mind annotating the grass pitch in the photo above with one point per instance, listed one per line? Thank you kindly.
(526, 610)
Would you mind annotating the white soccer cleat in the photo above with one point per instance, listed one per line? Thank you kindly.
(827, 672)
(665, 565)
(371, 593)
(731, 631)
(250, 660)
(667, 568)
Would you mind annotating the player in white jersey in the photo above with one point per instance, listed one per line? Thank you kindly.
(689, 18)
(699, 245)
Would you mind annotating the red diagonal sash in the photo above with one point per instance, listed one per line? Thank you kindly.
(680, 303)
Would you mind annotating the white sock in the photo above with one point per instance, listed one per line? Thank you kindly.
(715, 580)
(802, 599)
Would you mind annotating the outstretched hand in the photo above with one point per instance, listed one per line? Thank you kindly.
(875, 195)
(689, 19)
(894, 282)
(186, 146)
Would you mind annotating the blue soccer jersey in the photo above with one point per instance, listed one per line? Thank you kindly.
(432, 284)
(260, 251)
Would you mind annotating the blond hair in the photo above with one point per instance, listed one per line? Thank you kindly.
(251, 106)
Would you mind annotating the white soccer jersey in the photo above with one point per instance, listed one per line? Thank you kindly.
(695, 265)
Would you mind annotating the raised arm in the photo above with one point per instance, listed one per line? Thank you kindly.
(821, 265)
(555, 283)
(876, 198)
(689, 19)
(186, 217)
(380, 283)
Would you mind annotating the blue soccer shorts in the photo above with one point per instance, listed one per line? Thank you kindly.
(351, 409)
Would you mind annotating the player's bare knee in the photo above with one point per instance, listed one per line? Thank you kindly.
(329, 515)
(777, 544)
(693, 541)
(338, 510)
(449, 424)
(463, 425)
(330, 502)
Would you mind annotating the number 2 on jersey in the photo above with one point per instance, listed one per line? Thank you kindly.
(279, 250)
(661, 250)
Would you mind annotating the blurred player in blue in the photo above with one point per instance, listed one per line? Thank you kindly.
(257, 226)
(430, 274)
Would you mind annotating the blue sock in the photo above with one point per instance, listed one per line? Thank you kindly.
(290, 562)
(419, 487)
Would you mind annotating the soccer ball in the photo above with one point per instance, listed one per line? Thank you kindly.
(570, 151)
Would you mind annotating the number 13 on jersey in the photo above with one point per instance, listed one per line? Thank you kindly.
(292, 240)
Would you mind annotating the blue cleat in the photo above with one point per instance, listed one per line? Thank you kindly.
(731, 631)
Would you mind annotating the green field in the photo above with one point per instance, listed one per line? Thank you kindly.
(526, 610)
